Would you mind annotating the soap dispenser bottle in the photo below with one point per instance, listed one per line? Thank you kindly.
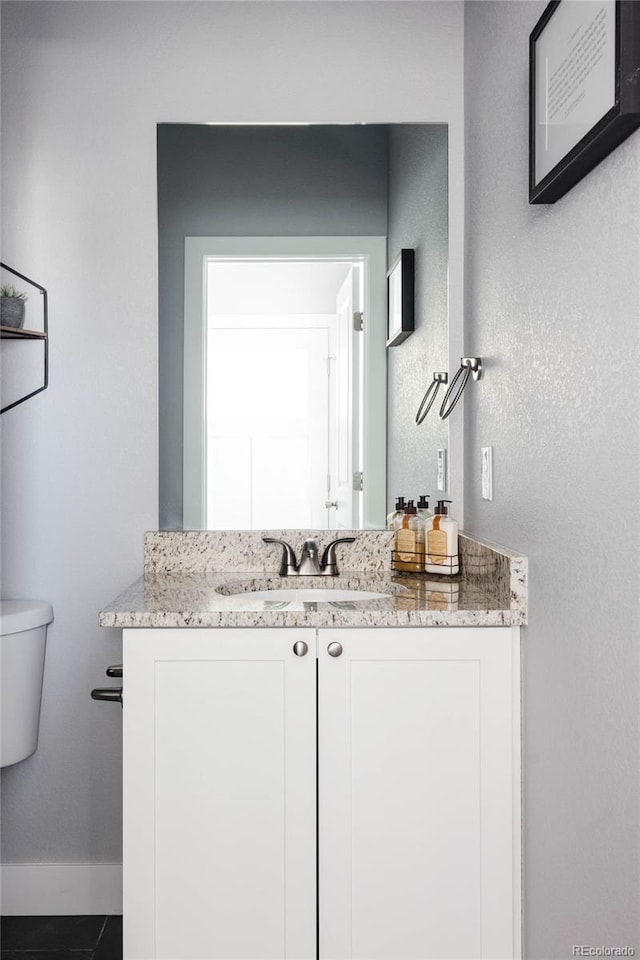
(409, 554)
(441, 555)
(423, 507)
(396, 514)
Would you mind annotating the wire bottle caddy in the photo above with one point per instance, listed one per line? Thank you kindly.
(427, 563)
(426, 543)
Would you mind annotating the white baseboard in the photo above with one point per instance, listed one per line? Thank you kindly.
(60, 889)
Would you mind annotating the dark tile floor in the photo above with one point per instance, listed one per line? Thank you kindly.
(61, 938)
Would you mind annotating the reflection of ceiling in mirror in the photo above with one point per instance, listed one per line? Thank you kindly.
(273, 286)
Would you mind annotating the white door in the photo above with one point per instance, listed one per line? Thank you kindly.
(267, 428)
(346, 414)
(219, 795)
(416, 812)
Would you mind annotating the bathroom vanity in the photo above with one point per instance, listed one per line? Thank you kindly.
(320, 779)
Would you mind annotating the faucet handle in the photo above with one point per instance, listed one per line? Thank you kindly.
(289, 564)
(329, 564)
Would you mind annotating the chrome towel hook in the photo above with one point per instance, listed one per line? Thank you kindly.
(430, 395)
(468, 366)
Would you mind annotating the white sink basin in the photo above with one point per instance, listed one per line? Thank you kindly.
(311, 595)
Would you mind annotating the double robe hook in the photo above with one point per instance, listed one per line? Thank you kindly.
(469, 366)
(430, 395)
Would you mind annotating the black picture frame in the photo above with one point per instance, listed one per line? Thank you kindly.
(612, 128)
(400, 297)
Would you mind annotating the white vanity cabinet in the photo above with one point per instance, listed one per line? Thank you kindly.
(419, 801)
(219, 794)
(363, 804)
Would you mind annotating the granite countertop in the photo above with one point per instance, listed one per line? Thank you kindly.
(205, 579)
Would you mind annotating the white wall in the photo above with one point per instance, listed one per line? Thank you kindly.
(553, 304)
(83, 86)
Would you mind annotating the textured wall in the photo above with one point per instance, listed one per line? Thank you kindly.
(83, 87)
(418, 218)
(552, 302)
(250, 182)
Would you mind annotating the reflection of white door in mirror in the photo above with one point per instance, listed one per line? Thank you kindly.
(277, 415)
(266, 428)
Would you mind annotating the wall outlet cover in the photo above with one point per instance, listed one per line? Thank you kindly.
(487, 473)
(442, 468)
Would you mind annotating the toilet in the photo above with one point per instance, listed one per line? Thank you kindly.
(23, 631)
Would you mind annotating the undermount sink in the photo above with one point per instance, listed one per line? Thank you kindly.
(311, 595)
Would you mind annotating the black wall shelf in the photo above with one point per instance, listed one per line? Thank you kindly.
(19, 333)
(13, 333)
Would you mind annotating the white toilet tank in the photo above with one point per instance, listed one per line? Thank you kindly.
(23, 631)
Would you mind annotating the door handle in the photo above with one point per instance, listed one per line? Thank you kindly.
(300, 648)
(331, 504)
(334, 649)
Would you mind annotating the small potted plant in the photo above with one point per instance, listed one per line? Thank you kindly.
(12, 304)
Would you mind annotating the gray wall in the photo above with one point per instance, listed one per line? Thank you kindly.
(84, 85)
(552, 297)
(418, 218)
(250, 181)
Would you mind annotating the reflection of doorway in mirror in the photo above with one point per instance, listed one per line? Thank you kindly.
(282, 393)
(346, 404)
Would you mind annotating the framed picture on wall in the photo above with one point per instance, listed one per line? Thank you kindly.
(584, 94)
(400, 298)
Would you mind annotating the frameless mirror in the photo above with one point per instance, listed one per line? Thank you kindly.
(280, 405)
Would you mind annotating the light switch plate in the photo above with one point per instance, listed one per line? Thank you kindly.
(442, 468)
(487, 473)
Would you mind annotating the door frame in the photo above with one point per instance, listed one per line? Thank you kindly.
(373, 252)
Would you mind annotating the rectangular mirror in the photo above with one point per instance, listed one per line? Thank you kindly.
(279, 404)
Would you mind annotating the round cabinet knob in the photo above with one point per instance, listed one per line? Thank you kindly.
(334, 649)
(300, 648)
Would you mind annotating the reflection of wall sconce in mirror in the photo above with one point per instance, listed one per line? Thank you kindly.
(468, 366)
(400, 298)
(430, 396)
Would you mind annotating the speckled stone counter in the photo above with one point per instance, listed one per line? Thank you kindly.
(205, 579)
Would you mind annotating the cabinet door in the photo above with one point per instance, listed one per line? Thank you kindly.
(418, 800)
(219, 795)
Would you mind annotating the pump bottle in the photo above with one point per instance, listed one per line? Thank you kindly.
(410, 541)
(395, 514)
(441, 553)
(423, 507)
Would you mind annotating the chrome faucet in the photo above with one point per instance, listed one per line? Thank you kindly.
(309, 565)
